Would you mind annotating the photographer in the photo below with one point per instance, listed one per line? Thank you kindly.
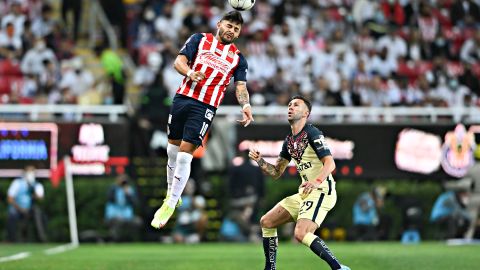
(119, 211)
(21, 195)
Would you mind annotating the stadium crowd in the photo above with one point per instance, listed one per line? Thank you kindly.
(337, 52)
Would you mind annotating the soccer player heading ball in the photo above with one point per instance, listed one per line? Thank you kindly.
(316, 194)
(208, 62)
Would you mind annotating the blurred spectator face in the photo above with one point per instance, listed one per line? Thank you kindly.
(10, 29)
(40, 45)
(16, 8)
(46, 12)
(149, 15)
(285, 29)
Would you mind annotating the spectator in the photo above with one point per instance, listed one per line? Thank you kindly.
(120, 218)
(366, 216)
(21, 196)
(113, 65)
(464, 13)
(449, 214)
(470, 52)
(43, 26)
(16, 17)
(192, 218)
(77, 80)
(10, 43)
(32, 62)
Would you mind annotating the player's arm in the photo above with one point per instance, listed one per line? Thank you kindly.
(328, 168)
(241, 92)
(273, 170)
(186, 56)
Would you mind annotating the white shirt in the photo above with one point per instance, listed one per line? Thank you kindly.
(32, 62)
(77, 83)
(18, 22)
(14, 41)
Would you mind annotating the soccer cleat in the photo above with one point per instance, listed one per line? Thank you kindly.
(179, 202)
(162, 216)
(344, 267)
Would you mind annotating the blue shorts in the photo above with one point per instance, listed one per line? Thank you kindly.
(189, 119)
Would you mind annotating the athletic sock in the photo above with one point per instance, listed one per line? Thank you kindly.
(270, 246)
(172, 151)
(180, 177)
(320, 248)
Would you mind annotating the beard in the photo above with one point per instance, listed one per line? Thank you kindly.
(223, 38)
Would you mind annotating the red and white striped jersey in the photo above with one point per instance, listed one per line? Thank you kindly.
(219, 62)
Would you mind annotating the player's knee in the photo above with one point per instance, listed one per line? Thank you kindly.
(266, 223)
(184, 158)
(300, 233)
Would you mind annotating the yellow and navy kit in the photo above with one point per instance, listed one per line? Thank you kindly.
(307, 148)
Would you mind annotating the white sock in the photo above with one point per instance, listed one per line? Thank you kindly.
(172, 151)
(180, 178)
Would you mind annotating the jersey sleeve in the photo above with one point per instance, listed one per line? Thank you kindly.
(191, 46)
(318, 143)
(284, 153)
(240, 73)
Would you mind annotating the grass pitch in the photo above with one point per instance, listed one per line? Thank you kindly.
(368, 256)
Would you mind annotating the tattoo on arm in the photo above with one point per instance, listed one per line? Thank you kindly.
(274, 170)
(242, 93)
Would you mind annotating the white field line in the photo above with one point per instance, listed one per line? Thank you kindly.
(60, 249)
(14, 257)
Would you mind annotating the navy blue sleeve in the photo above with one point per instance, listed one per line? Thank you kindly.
(240, 73)
(284, 153)
(191, 46)
(318, 143)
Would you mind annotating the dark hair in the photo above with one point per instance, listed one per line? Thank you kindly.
(307, 102)
(233, 16)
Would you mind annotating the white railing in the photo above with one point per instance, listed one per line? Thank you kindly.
(261, 113)
(367, 114)
(74, 112)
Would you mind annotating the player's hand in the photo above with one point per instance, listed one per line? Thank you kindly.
(254, 154)
(309, 186)
(197, 76)
(247, 116)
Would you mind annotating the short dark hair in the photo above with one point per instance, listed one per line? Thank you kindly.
(233, 16)
(305, 100)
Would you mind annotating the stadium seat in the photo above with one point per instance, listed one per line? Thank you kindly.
(8, 67)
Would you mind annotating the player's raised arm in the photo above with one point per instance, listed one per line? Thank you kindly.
(181, 66)
(273, 170)
(244, 101)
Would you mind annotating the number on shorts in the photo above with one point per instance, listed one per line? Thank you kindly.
(204, 129)
(309, 205)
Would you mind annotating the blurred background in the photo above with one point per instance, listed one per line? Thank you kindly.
(394, 85)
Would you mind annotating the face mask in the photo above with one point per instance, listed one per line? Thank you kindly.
(30, 177)
(40, 45)
(149, 15)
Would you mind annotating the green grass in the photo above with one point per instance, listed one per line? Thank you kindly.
(222, 256)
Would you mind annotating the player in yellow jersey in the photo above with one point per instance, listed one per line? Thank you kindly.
(316, 195)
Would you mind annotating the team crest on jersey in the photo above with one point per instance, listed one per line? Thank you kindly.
(458, 151)
(231, 54)
(296, 146)
(209, 114)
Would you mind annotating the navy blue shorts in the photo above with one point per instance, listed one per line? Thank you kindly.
(189, 119)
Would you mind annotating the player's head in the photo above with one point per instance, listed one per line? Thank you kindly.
(299, 107)
(229, 27)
